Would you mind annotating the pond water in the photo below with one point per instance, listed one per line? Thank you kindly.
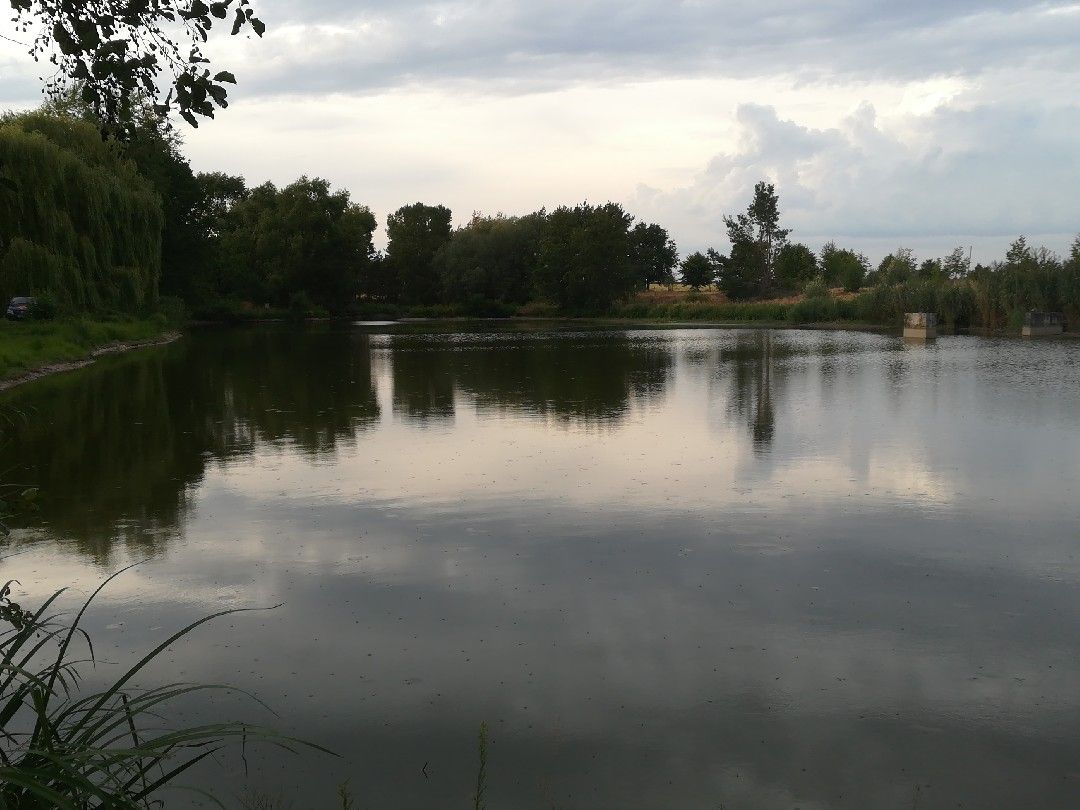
(667, 568)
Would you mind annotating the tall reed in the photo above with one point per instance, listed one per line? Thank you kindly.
(61, 748)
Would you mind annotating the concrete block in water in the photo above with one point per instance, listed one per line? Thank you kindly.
(1040, 324)
(920, 325)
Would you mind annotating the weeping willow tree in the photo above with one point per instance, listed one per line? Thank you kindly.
(77, 223)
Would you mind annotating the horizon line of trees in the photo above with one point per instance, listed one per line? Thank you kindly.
(108, 225)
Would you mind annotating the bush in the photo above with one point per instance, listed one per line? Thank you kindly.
(219, 311)
(816, 288)
(635, 309)
(300, 304)
(956, 305)
(538, 309)
(477, 307)
(846, 310)
(44, 308)
(878, 305)
(812, 310)
(174, 310)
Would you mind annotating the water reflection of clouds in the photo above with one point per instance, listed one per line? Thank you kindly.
(631, 583)
(583, 633)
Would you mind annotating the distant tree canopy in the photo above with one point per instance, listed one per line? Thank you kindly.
(78, 224)
(897, 268)
(111, 226)
(416, 233)
(698, 270)
(121, 52)
(302, 240)
(796, 264)
(653, 254)
(843, 267)
(584, 257)
(185, 254)
(491, 259)
(756, 240)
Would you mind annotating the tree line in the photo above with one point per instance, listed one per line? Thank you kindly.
(307, 245)
(211, 241)
(124, 224)
(763, 263)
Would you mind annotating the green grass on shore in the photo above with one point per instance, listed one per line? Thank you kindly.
(29, 345)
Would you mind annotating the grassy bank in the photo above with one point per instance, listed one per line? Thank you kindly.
(657, 305)
(28, 346)
(962, 304)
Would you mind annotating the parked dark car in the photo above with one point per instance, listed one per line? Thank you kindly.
(19, 308)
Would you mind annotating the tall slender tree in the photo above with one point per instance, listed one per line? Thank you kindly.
(756, 239)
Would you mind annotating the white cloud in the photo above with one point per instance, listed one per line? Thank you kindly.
(924, 122)
(989, 172)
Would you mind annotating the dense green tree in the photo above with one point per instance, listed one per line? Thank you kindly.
(117, 52)
(186, 251)
(898, 267)
(796, 264)
(930, 269)
(957, 264)
(829, 269)
(491, 259)
(303, 239)
(379, 282)
(77, 222)
(739, 274)
(849, 268)
(756, 239)
(841, 267)
(218, 193)
(208, 281)
(697, 270)
(584, 257)
(416, 233)
(653, 254)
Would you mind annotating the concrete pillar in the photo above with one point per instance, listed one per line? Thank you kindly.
(920, 325)
(1041, 324)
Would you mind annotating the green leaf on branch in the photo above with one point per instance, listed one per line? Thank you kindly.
(198, 9)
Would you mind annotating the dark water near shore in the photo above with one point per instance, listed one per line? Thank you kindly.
(668, 568)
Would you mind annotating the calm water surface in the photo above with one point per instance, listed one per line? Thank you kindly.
(668, 568)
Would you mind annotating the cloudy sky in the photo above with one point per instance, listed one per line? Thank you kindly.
(883, 123)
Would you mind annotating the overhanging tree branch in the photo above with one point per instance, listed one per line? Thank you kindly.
(119, 52)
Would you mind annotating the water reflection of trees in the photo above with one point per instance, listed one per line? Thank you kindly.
(313, 389)
(593, 378)
(423, 374)
(756, 378)
(115, 449)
